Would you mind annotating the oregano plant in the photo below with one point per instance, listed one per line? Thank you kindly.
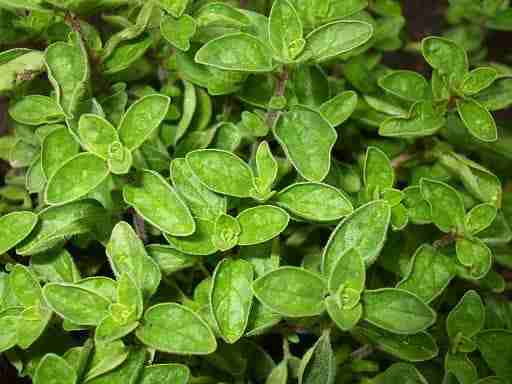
(260, 192)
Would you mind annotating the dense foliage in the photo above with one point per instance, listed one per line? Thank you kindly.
(245, 192)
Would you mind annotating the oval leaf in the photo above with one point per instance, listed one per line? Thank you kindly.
(261, 223)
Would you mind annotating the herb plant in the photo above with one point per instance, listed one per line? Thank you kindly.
(251, 192)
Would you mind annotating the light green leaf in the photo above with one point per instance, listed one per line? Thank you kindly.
(36, 110)
(226, 233)
(76, 178)
(236, 52)
(170, 260)
(77, 304)
(53, 369)
(120, 158)
(407, 85)
(187, 114)
(159, 326)
(397, 311)
(57, 148)
(200, 243)
(96, 134)
(128, 372)
(415, 348)
(16, 61)
(8, 330)
(333, 39)
(25, 286)
(474, 254)
(494, 345)
(349, 272)
(338, 109)
(113, 327)
(261, 223)
(429, 273)
(32, 323)
(447, 57)
(103, 286)
(141, 119)
(318, 365)
(126, 254)
(497, 96)
(178, 31)
(231, 298)
(221, 171)
(165, 373)
(446, 205)
(404, 373)
(365, 230)
(217, 14)
(106, 357)
(378, 172)
(461, 367)
(478, 79)
(159, 204)
(285, 31)
(308, 149)
(267, 169)
(480, 218)
(174, 7)
(291, 291)
(55, 266)
(314, 201)
(59, 223)
(466, 318)
(203, 203)
(477, 119)
(345, 318)
(14, 227)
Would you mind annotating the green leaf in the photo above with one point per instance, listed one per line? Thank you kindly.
(8, 331)
(378, 172)
(15, 61)
(309, 150)
(36, 110)
(32, 323)
(397, 311)
(114, 326)
(314, 201)
(77, 304)
(200, 243)
(126, 254)
(461, 367)
(55, 266)
(159, 326)
(466, 318)
(480, 217)
(404, 373)
(497, 96)
(477, 119)
(96, 134)
(159, 204)
(502, 21)
(267, 169)
(203, 203)
(494, 345)
(165, 373)
(57, 148)
(318, 365)
(231, 298)
(424, 119)
(141, 119)
(169, 259)
(236, 52)
(429, 273)
(128, 372)
(221, 171)
(415, 348)
(59, 223)
(25, 286)
(348, 273)
(291, 291)
(474, 254)
(106, 357)
(314, 13)
(365, 230)
(338, 109)
(345, 318)
(446, 205)
(333, 39)
(478, 79)
(407, 85)
(447, 57)
(53, 369)
(261, 223)
(178, 31)
(279, 374)
(285, 31)
(14, 227)
(174, 7)
(217, 14)
(120, 159)
(226, 233)
(76, 178)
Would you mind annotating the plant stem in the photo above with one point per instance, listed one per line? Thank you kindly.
(140, 227)
(362, 353)
(280, 89)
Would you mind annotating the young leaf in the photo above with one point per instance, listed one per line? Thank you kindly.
(309, 150)
(338, 109)
(474, 254)
(267, 169)
(285, 31)
(477, 119)
(165, 373)
(231, 297)
(14, 227)
(397, 311)
(236, 52)
(447, 57)
(345, 318)
(141, 119)
(221, 171)
(57, 147)
(378, 172)
(349, 273)
(159, 204)
(291, 291)
(53, 369)
(467, 317)
(96, 134)
(314, 201)
(105, 358)
(174, 7)
(365, 230)
(159, 326)
(478, 79)
(260, 224)
(407, 85)
(178, 31)
(227, 232)
(76, 178)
